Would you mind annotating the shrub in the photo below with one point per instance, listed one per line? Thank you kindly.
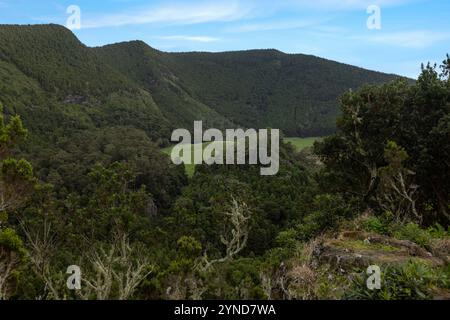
(412, 281)
(375, 224)
(438, 231)
(413, 232)
(287, 238)
(189, 247)
(328, 211)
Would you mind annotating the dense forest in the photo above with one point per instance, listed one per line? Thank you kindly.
(83, 179)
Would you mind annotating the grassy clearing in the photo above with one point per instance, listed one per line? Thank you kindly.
(302, 143)
(298, 143)
(190, 168)
(361, 245)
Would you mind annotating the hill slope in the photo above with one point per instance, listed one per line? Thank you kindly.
(261, 88)
(256, 88)
(149, 68)
(48, 73)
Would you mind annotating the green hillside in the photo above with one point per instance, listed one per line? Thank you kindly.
(256, 88)
(52, 55)
(267, 88)
(133, 84)
(62, 88)
(147, 67)
(60, 79)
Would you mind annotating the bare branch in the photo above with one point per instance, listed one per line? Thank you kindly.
(235, 242)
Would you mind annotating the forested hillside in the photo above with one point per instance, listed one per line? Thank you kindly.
(259, 88)
(267, 88)
(151, 70)
(134, 84)
(64, 90)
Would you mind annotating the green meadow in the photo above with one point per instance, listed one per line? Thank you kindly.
(302, 143)
(298, 143)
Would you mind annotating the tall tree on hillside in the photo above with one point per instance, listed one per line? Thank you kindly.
(415, 117)
(16, 181)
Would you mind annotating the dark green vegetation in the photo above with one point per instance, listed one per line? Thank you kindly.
(134, 84)
(261, 88)
(99, 193)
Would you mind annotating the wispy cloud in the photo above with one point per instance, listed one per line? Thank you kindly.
(409, 39)
(333, 5)
(181, 14)
(279, 25)
(190, 38)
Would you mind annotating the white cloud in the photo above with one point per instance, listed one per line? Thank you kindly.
(285, 25)
(191, 38)
(181, 14)
(409, 39)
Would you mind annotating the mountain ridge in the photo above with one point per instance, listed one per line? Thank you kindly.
(264, 50)
(131, 83)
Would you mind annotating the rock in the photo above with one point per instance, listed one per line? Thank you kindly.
(350, 250)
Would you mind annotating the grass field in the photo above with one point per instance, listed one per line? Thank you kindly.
(302, 143)
(298, 143)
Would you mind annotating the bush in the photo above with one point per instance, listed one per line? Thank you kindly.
(413, 232)
(375, 224)
(189, 247)
(412, 281)
(438, 231)
(328, 211)
(287, 238)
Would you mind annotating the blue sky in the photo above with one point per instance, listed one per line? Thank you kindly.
(412, 31)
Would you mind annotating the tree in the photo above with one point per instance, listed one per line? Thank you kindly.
(16, 181)
(115, 272)
(12, 255)
(16, 176)
(236, 240)
(397, 192)
(415, 117)
(10, 134)
(355, 153)
(41, 247)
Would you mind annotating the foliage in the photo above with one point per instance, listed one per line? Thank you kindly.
(413, 281)
(396, 192)
(413, 232)
(328, 211)
(375, 224)
(9, 240)
(394, 135)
